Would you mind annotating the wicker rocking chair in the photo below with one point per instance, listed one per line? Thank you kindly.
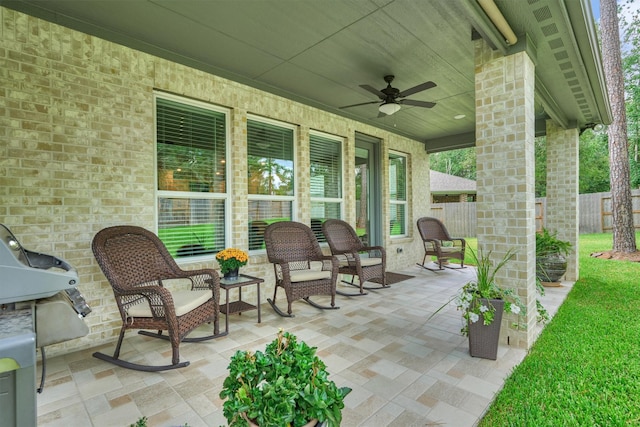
(138, 265)
(438, 243)
(356, 259)
(299, 265)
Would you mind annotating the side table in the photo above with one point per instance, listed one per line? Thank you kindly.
(239, 306)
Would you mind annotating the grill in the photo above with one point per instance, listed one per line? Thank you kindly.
(39, 306)
(28, 275)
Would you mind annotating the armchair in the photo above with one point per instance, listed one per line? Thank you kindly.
(299, 265)
(356, 259)
(138, 265)
(437, 242)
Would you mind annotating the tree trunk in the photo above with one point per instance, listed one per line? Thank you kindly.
(621, 205)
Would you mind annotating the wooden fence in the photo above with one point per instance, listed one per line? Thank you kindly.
(595, 214)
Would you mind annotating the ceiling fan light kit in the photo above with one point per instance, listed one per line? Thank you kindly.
(389, 108)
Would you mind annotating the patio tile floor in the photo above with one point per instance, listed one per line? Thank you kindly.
(403, 369)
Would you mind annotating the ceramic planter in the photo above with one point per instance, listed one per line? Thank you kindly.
(231, 274)
(484, 339)
(551, 268)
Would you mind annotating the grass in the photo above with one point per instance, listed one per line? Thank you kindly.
(584, 369)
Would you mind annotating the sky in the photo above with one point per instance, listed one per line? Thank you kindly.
(631, 6)
(595, 7)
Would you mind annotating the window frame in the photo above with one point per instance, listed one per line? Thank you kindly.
(193, 195)
(404, 202)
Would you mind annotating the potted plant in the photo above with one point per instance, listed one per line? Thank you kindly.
(230, 260)
(551, 253)
(286, 385)
(482, 303)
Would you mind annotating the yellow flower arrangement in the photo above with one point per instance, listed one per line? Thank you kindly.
(231, 258)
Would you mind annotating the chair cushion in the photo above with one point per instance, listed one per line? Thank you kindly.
(364, 261)
(368, 262)
(184, 302)
(449, 249)
(305, 275)
(342, 260)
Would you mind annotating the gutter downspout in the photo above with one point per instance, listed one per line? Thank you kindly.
(498, 20)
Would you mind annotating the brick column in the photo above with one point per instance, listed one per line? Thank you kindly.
(562, 213)
(505, 131)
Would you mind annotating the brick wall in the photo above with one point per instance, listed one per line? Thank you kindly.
(77, 150)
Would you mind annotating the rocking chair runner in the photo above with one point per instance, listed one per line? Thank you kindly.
(299, 265)
(438, 243)
(356, 259)
(137, 265)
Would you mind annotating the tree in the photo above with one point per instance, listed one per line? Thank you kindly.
(594, 163)
(631, 69)
(540, 144)
(622, 209)
(461, 162)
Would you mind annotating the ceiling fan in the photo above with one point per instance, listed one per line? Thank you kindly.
(392, 98)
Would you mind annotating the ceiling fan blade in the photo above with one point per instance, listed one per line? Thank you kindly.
(416, 89)
(362, 103)
(425, 104)
(374, 91)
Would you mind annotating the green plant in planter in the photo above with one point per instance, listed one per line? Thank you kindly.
(482, 302)
(548, 243)
(551, 252)
(286, 385)
(469, 298)
(474, 299)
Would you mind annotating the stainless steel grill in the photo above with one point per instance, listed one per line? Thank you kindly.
(26, 275)
(39, 306)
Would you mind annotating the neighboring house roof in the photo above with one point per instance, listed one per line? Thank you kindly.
(442, 183)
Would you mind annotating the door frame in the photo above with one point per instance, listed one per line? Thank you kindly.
(374, 191)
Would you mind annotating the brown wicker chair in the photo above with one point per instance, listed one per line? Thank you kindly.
(299, 265)
(356, 259)
(137, 265)
(438, 243)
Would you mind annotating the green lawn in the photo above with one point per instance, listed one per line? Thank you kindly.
(584, 369)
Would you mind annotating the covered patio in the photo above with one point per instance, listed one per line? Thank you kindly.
(404, 369)
(97, 94)
(89, 88)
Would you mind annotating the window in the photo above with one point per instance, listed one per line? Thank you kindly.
(270, 167)
(326, 180)
(398, 194)
(191, 139)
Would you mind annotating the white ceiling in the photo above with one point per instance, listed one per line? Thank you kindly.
(319, 51)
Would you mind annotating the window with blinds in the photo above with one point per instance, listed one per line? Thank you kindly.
(325, 154)
(191, 140)
(270, 168)
(397, 194)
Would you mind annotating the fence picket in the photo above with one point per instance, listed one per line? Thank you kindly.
(595, 214)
